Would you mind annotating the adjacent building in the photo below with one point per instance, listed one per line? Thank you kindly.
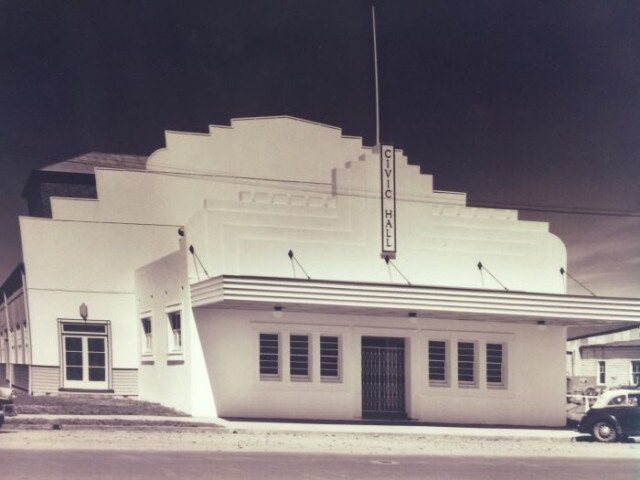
(275, 268)
(606, 359)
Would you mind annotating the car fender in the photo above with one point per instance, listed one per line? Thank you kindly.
(587, 422)
(609, 418)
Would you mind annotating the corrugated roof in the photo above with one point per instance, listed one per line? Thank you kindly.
(87, 163)
(577, 333)
(622, 343)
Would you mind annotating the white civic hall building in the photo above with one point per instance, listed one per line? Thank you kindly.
(276, 268)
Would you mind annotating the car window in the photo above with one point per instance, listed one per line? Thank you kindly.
(618, 400)
(633, 400)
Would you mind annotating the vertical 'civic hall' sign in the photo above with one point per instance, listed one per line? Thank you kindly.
(388, 191)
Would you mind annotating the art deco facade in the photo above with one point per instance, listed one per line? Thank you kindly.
(242, 273)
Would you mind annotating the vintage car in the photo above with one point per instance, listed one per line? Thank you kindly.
(614, 415)
(7, 409)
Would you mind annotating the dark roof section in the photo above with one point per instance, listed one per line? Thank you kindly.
(73, 178)
(87, 163)
(38, 177)
(79, 168)
(13, 283)
(597, 331)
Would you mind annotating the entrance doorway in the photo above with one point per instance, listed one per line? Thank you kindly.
(85, 361)
(383, 372)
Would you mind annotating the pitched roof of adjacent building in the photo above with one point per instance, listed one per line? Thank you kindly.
(622, 343)
(87, 162)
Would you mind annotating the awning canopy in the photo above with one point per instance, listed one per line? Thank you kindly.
(358, 298)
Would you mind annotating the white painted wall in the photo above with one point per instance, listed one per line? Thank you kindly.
(276, 148)
(180, 381)
(70, 262)
(15, 343)
(338, 237)
(534, 394)
(87, 209)
(274, 184)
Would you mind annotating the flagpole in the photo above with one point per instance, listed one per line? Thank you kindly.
(375, 66)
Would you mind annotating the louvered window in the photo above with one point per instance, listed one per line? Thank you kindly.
(495, 364)
(299, 356)
(329, 358)
(269, 355)
(437, 362)
(466, 363)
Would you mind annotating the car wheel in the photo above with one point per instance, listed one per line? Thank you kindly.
(604, 431)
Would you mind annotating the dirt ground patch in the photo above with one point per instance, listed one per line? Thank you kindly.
(307, 442)
(89, 405)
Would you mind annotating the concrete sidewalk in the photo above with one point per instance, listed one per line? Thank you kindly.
(247, 426)
(398, 429)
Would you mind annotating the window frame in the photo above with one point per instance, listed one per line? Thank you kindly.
(601, 374)
(86, 331)
(503, 365)
(25, 342)
(6, 351)
(338, 356)
(19, 344)
(474, 364)
(434, 382)
(270, 376)
(174, 350)
(309, 357)
(635, 372)
(146, 339)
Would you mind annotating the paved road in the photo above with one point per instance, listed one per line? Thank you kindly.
(100, 464)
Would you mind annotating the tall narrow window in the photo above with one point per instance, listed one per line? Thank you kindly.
(25, 341)
(269, 355)
(495, 364)
(7, 351)
(635, 372)
(299, 356)
(19, 345)
(438, 362)
(602, 373)
(329, 358)
(466, 363)
(175, 326)
(147, 336)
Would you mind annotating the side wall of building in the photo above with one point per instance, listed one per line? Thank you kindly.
(15, 338)
(69, 263)
(169, 374)
(585, 354)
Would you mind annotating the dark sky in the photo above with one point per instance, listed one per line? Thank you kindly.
(518, 103)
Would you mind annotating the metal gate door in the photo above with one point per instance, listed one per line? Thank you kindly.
(383, 377)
